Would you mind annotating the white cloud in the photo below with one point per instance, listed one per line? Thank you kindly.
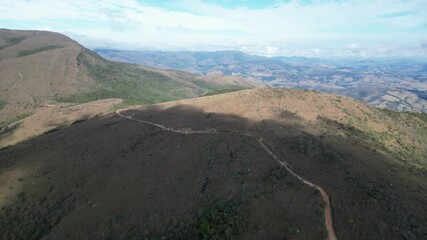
(357, 27)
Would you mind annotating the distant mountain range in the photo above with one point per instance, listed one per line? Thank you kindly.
(394, 84)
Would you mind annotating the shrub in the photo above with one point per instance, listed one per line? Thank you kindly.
(217, 220)
(27, 52)
(6, 123)
(12, 41)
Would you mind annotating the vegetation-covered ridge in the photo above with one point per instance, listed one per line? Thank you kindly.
(28, 52)
(404, 138)
(10, 41)
(137, 85)
(102, 167)
(215, 92)
(120, 80)
(4, 124)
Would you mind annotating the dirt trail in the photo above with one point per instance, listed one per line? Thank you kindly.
(16, 81)
(328, 210)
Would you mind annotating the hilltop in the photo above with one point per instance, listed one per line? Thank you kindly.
(38, 68)
(205, 175)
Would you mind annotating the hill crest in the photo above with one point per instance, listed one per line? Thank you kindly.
(39, 68)
(87, 176)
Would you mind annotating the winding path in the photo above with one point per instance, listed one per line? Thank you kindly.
(328, 210)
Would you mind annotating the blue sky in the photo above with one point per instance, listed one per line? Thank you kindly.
(317, 28)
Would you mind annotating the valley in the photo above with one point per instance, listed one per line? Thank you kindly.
(396, 84)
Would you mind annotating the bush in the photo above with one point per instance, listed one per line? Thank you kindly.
(3, 104)
(277, 174)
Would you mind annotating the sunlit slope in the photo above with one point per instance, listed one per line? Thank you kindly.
(38, 67)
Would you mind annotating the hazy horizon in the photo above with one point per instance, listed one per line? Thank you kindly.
(331, 58)
(318, 28)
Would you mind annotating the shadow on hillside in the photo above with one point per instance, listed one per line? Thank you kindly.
(372, 196)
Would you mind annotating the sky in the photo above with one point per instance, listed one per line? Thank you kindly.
(310, 28)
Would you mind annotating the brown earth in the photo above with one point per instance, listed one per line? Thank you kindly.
(31, 81)
(51, 118)
(109, 177)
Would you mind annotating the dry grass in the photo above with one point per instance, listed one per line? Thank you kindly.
(53, 117)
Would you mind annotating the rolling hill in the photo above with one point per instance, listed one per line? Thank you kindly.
(39, 68)
(396, 84)
(222, 167)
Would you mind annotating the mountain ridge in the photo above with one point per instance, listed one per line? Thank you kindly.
(114, 178)
(39, 68)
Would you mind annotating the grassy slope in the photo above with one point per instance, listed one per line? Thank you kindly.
(86, 177)
(137, 85)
